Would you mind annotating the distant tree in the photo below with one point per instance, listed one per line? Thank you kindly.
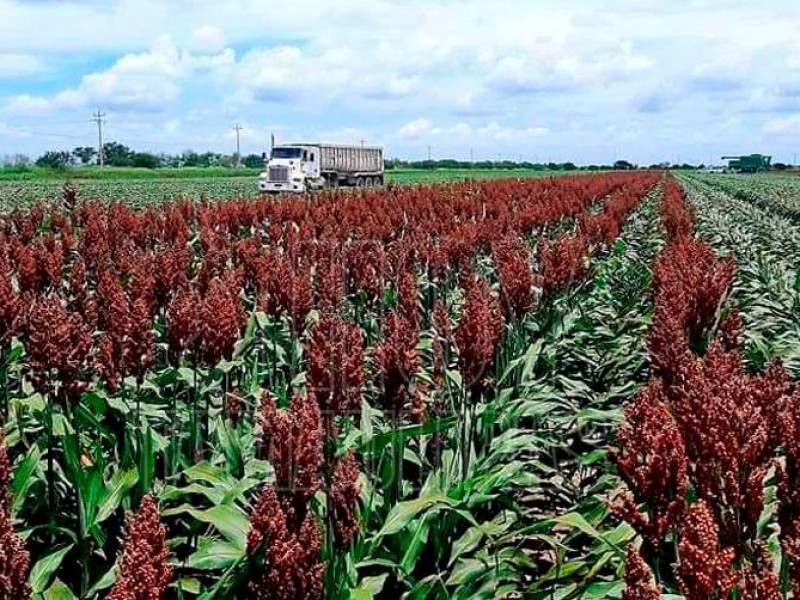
(623, 165)
(84, 154)
(55, 159)
(145, 160)
(206, 159)
(117, 155)
(253, 161)
(191, 159)
(569, 166)
(168, 160)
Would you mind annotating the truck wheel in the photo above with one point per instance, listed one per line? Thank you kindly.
(360, 182)
(368, 182)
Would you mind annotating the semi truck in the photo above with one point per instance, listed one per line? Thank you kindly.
(306, 167)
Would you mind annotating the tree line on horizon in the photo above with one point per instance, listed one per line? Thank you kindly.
(116, 154)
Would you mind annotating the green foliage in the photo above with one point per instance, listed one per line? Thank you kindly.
(55, 159)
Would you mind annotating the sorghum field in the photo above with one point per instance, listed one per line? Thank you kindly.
(573, 387)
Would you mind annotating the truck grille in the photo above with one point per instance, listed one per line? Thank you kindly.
(279, 174)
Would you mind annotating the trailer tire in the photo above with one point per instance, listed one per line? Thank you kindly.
(360, 182)
(367, 181)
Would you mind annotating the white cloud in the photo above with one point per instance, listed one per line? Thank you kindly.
(789, 125)
(147, 81)
(210, 38)
(416, 129)
(15, 65)
(492, 130)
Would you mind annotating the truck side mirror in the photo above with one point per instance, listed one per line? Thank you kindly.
(263, 156)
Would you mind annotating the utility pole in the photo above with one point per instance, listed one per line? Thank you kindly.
(471, 156)
(429, 153)
(237, 128)
(362, 142)
(99, 118)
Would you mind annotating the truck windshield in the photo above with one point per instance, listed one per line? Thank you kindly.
(287, 152)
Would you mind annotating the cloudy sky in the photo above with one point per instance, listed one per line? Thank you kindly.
(550, 80)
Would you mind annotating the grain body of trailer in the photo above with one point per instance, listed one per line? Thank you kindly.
(302, 167)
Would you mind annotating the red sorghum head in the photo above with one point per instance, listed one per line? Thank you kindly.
(143, 570)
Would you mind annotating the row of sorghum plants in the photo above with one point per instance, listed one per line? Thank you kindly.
(101, 297)
(706, 445)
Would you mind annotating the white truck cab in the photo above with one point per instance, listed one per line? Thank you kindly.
(291, 169)
(300, 168)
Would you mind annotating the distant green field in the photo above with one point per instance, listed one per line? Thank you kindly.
(440, 175)
(139, 187)
(114, 173)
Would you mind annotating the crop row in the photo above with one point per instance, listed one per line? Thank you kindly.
(285, 378)
(708, 451)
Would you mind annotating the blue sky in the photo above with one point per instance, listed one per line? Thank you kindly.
(573, 80)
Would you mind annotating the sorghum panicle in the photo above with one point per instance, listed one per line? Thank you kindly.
(336, 373)
(478, 334)
(639, 581)
(14, 558)
(143, 570)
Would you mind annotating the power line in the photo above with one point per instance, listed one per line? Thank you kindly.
(99, 118)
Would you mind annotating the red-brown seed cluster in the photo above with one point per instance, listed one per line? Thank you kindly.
(344, 493)
(14, 559)
(336, 373)
(652, 461)
(513, 259)
(397, 361)
(285, 535)
(690, 285)
(760, 580)
(639, 581)
(728, 423)
(144, 573)
(562, 262)
(58, 344)
(478, 333)
(293, 442)
(676, 214)
(705, 570)
(290, 553)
